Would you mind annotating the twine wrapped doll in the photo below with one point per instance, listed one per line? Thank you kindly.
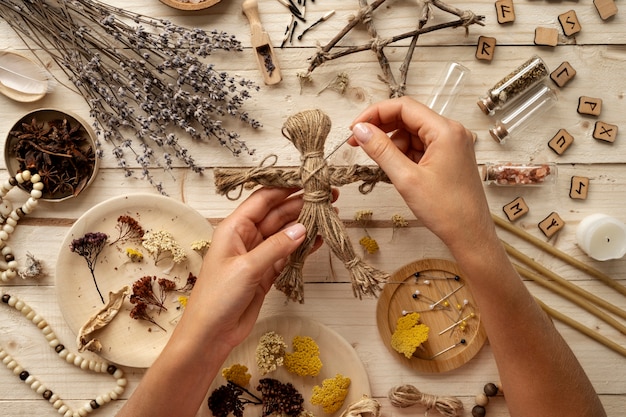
(308, 130)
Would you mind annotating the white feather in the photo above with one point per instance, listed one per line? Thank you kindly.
(21, 74)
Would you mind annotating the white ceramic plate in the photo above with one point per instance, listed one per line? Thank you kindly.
(127, 341)
(336, 354)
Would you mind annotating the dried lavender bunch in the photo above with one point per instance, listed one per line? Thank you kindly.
(143, 78)
(89, 247)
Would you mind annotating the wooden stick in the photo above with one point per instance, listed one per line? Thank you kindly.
(576, 299)
(583, 329)
(563, 282)
(559, 254)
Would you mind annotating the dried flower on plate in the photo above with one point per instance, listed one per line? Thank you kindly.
(191, 281)
(281, 399)
(144, 293)
(201, 246)
(128, 229)
(89, 247)
(102, 318)
(134, 255)
(160, 244)
(409, 334)
(270, 352)
(331, 394)
(140, 312)
(230, 398)
(305, 358)
(237, 374)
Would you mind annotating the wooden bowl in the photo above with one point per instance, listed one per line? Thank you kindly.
(180, 5)
(84, 145)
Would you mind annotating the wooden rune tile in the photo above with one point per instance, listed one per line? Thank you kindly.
(486, 48)
(569, 22)
(546, 36)
(591, 106)
(551, 224)
(515, 209)
(561, 141)
(563, 74)
(505, 11)
(605, 132)
(605, 8)
(579, 188)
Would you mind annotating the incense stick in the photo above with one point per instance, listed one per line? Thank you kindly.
(563, 282)
(583, 329)
(559, 254)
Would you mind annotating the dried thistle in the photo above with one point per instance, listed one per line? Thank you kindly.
(89, 247)
(143, 78)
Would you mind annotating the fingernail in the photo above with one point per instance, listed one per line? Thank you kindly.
(295, 231)
(362, 132)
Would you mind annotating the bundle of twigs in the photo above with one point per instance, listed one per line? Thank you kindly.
(143, 78)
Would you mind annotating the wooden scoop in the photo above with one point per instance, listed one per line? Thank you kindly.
(263, 49)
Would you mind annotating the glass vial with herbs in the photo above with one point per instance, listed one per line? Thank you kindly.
(518, 117)
(510, 173)
(513, 85)
(448, 88)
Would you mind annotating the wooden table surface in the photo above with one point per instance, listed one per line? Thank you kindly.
(598, 53)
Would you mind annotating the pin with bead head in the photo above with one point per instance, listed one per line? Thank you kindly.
(462, 322)
(449, 348)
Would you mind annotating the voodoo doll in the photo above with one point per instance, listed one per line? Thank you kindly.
(308, 130)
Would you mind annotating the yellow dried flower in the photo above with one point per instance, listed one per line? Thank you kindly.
(270, 352)
(398, 221)
(331, 394)
(161, 242)
(182, 300)
(237, 374)
(201, 246)
(409, 334)
(363, 216)
(305, 359)
(369, 244)
(134, 255)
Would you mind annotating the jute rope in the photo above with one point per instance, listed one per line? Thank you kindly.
(308, 130)
(365, 407)
(407, 395)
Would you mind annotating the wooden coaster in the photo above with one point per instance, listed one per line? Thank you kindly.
(397, 297)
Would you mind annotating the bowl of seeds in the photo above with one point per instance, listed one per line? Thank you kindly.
(58, 146)
(190, 4)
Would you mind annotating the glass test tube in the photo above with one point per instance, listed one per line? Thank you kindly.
(509, 173)
(524, 77)
(448, 88)
(517, 117)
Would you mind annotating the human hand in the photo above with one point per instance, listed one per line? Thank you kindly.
(248, 250)
(430, 160)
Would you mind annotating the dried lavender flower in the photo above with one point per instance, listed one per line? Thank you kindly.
(89, 247)
(143, 78)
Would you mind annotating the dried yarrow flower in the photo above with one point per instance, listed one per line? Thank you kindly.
(134, 255)
(270, 352)
(398, 221)
(363, 216)
(144, 79)
(305, 358)
(89, 247)
(143, 293)
(140, 312)
(331, 394)
(369, 244)
(128, 228)
(281, 399)
(237, 374)
(165, 286)
(201, 246)
(160, 244)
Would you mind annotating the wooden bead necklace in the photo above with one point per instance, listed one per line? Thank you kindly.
(71, 358)
(489, 390)
(9, 217)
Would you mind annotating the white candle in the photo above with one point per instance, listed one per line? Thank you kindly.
(602, 237)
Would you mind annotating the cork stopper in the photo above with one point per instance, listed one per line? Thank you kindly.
(487, 105)
(499, 133)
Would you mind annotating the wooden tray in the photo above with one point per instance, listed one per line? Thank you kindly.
(397, 297)
(190, 6)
